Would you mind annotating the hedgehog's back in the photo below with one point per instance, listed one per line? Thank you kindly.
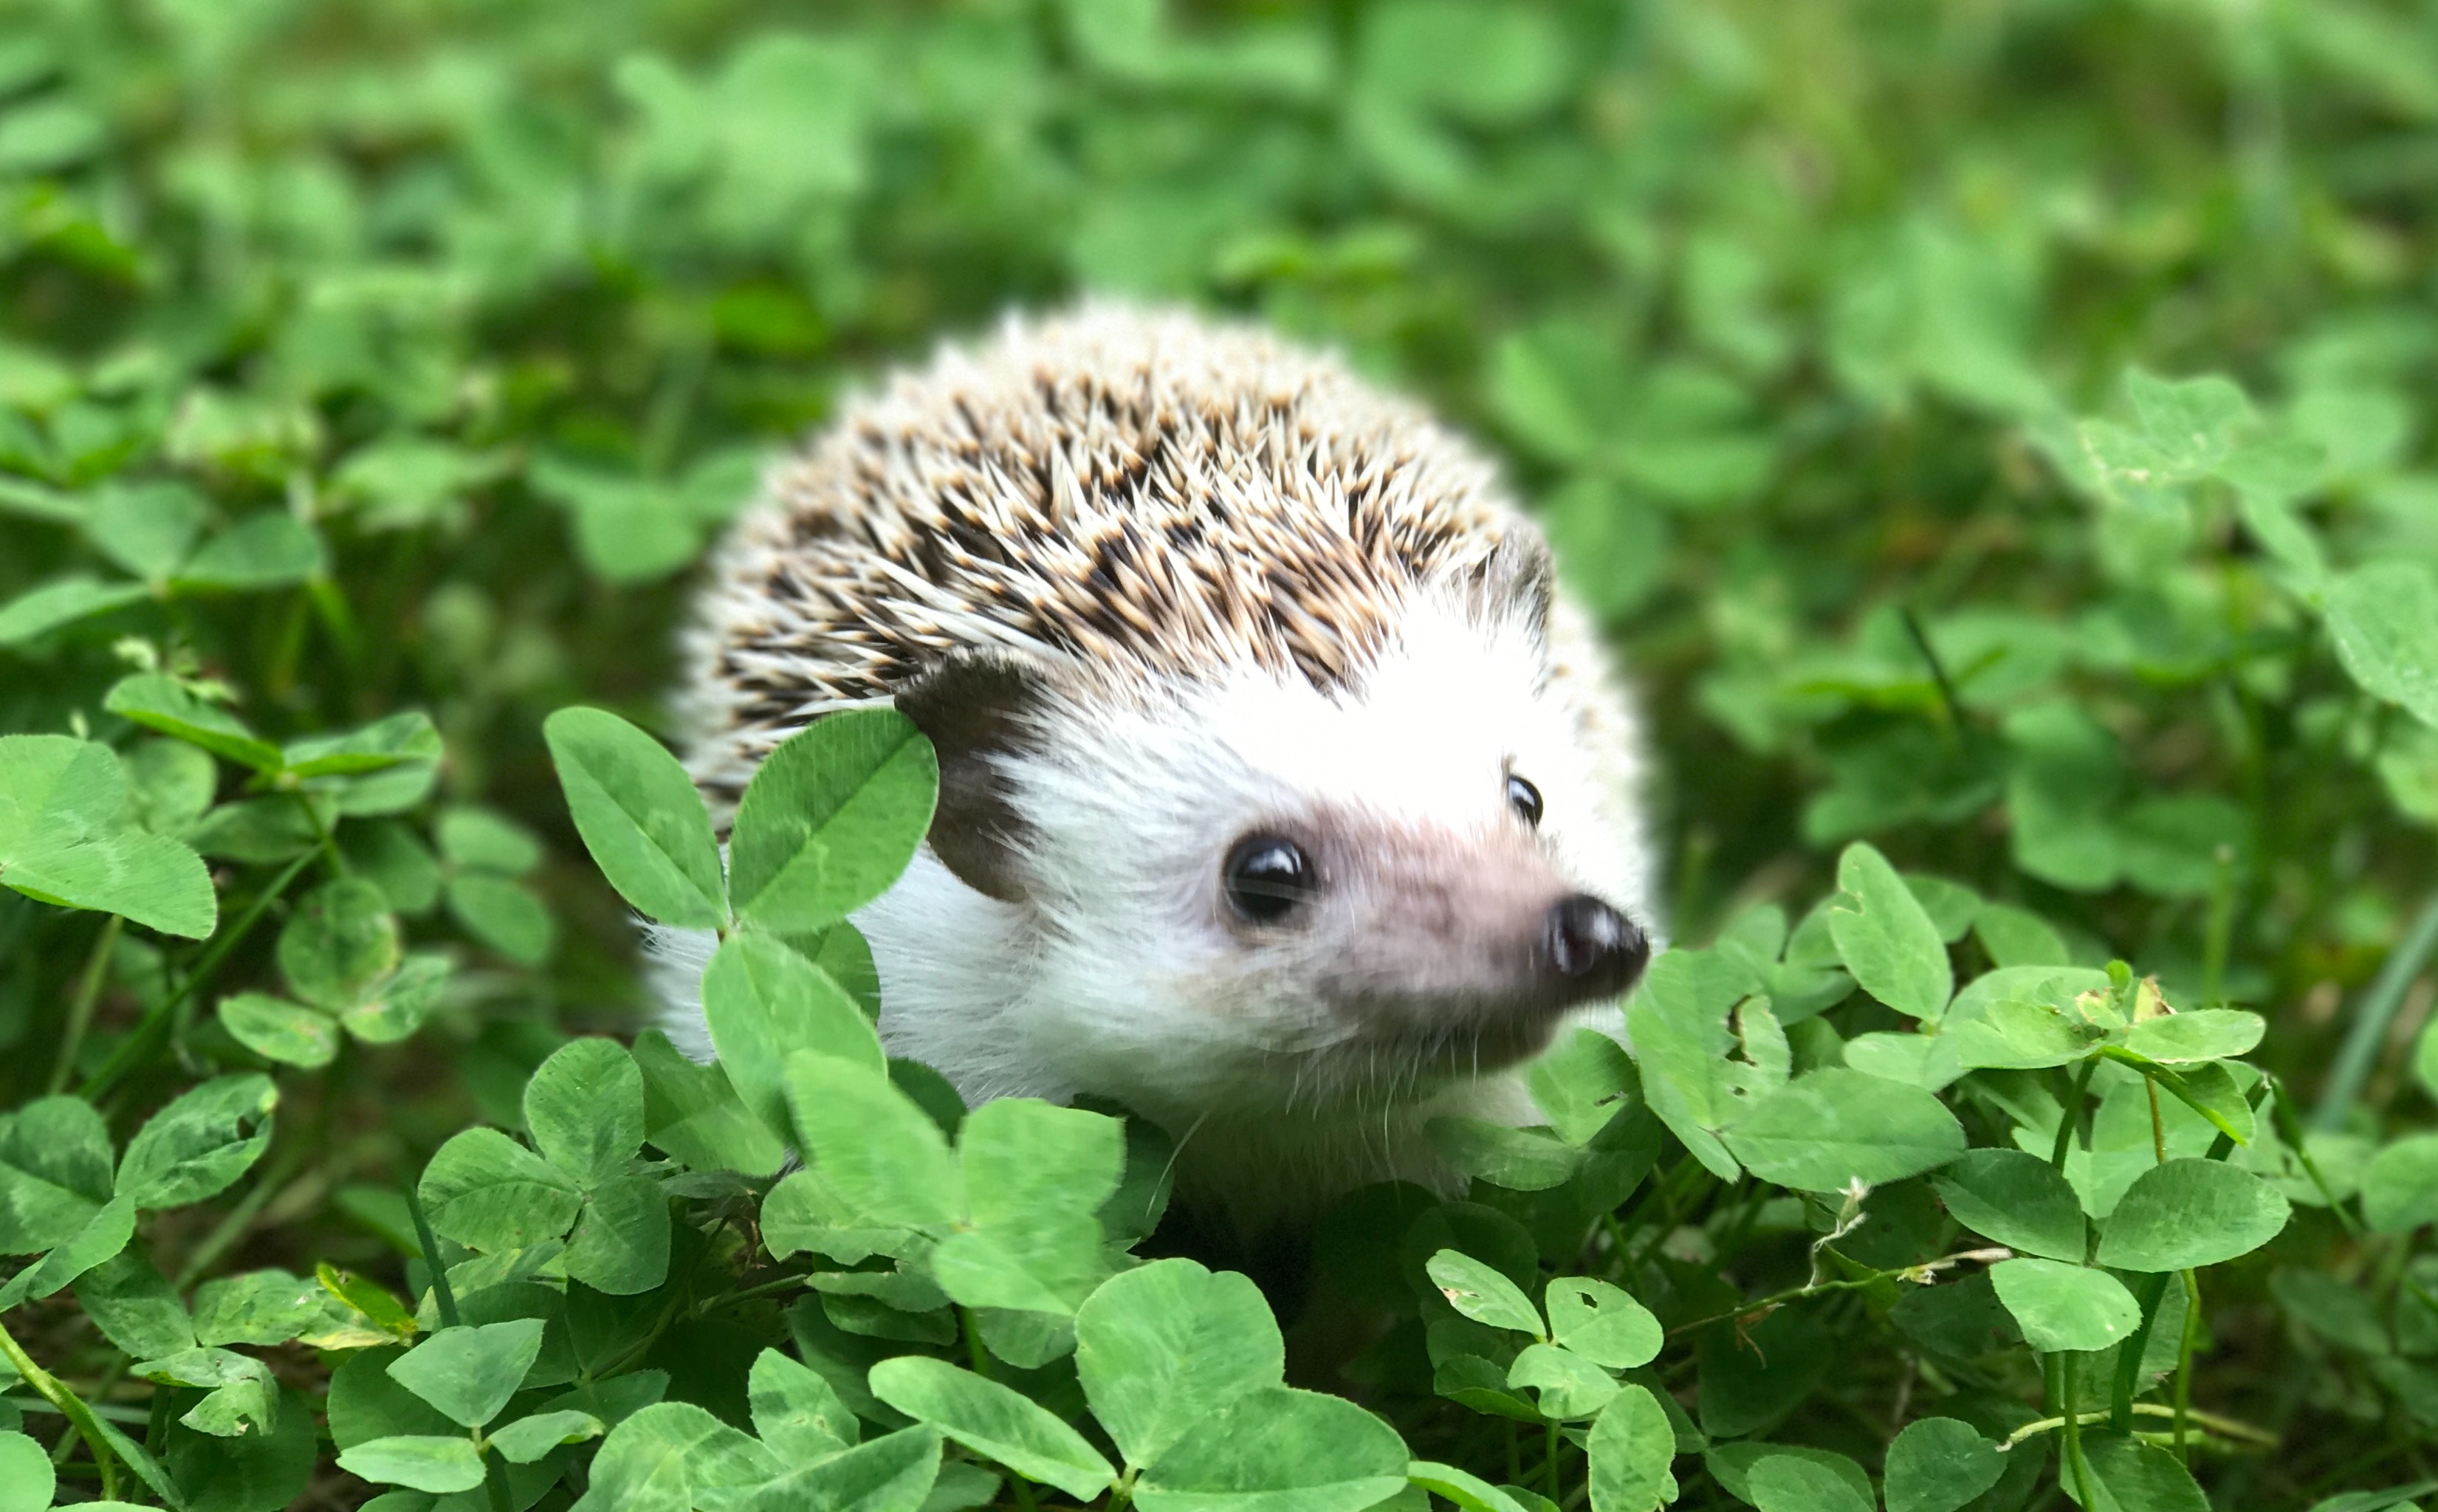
(1147, 493)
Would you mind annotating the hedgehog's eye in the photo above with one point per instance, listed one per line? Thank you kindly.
(1265, 876)
(1525, 799)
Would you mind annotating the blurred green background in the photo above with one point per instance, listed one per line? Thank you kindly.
(1847, 351)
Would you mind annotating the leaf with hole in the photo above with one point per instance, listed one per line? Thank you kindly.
(200, 1143)
(1886, 938)
(1600, 1323)
(1582, 1084)
(1482, 1294)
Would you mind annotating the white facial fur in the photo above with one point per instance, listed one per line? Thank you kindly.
(1122, 971)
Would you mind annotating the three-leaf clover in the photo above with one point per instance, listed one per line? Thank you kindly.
(576, 1186)
(345, 965)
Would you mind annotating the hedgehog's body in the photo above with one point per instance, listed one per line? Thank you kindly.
(1279, 795)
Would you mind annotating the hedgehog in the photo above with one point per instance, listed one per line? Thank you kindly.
(1285, 800)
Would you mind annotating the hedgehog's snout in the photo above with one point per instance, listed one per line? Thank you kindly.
(1597, 951)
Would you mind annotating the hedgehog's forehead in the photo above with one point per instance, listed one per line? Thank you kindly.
(1425, 729)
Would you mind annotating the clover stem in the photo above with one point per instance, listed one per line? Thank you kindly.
(1948, 702)
(81, 1009)
(2069, 1368)
(2072, 1116)
(279, 675)
(2226, 1427)
(2158, 1125)
(1549, 1462)
(240, 1218)
(2288, 1120)
(323, 837)
(974, 1349)
(2184, 1358)
(71, 1406)
(495, 1479)
(110, 1377)
(336, 617)
(443, 1297)
(138, 1043)
(2148, 1295)
(156, 1424)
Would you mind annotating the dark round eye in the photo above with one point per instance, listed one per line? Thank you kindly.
(1525, 799)
(1266, 876)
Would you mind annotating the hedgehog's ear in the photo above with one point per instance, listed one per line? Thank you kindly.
(973, 706)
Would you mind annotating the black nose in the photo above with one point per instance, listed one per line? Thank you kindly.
(1597, 948)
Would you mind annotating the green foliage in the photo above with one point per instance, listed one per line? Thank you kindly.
(1995, 438)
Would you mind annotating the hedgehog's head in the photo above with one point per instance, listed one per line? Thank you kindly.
(1246, 888)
